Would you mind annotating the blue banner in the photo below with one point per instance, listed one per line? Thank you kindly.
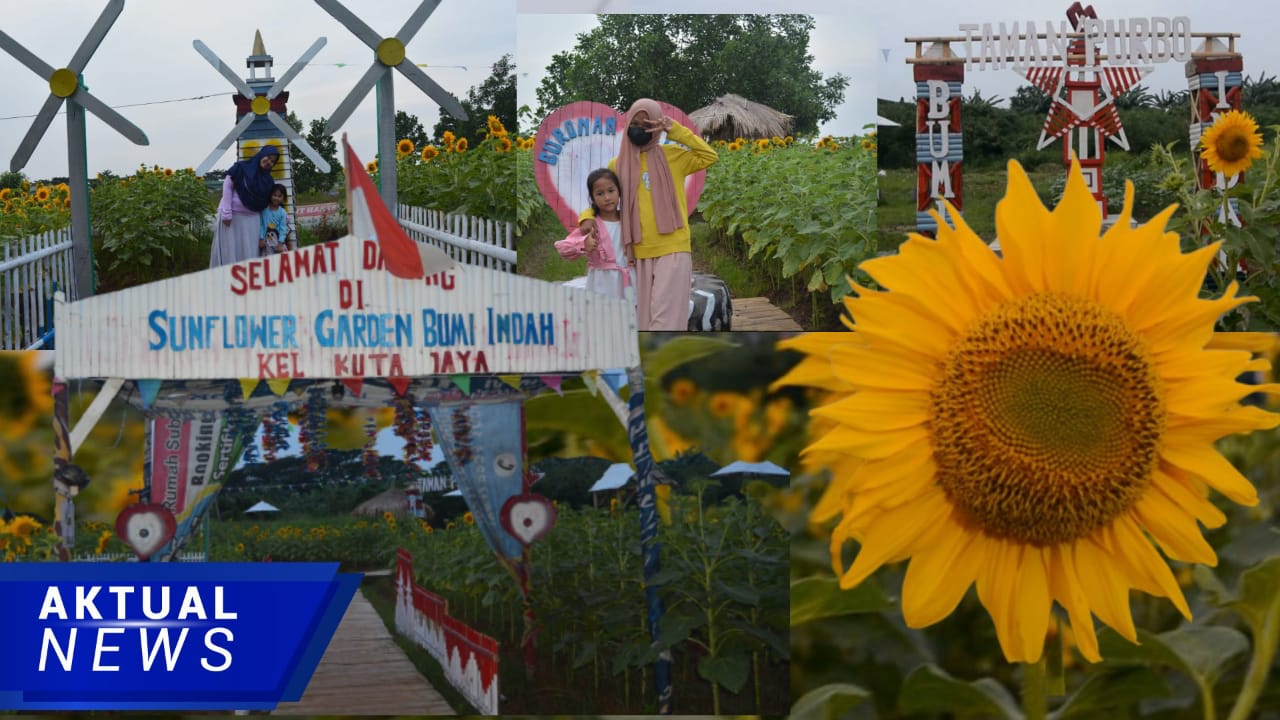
(165, 636)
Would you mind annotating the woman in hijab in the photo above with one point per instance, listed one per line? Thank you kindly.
(655, 231)
(245, 192)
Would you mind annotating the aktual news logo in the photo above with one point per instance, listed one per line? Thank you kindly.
(150, 636)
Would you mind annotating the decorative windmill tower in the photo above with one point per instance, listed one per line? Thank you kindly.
(260, 113)
(388, 53)
(66, 84)
(1084, 101)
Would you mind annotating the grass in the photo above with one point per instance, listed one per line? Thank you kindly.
(536, 250)
(896, 211)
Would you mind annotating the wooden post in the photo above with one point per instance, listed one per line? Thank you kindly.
(939, 148)
(78, 181)
(387, 143)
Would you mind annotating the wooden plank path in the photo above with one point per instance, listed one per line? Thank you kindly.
(758, 314)
(364, 672)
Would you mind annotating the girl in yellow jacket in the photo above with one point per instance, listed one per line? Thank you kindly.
(655, 227)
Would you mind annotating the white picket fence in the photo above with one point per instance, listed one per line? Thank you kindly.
(29, 270)
(468, 240)
(130, 557)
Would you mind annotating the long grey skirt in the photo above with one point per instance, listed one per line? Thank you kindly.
(236, 242)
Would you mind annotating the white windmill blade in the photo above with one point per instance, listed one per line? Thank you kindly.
(110, 116)
(415, 21)
(225, 143)
(90, 44)
(240, 85)
(353, 23)
(296, 68)
(353, 98)
(298, 140)
(35, 132)
(25, 56)
(433, 90)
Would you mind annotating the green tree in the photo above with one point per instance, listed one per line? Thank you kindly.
(409, 126)
(690, 60)
(495, 96)
(11, 180)
(306, 176)
(1030, 99)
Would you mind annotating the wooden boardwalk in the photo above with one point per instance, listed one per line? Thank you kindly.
(364, 672)
(759, 315)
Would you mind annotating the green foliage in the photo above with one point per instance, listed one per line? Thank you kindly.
(690, 60)
(149, 226)
(410, 127)
(808, 210)
(306, 176)
(495, 96)
(11, 179)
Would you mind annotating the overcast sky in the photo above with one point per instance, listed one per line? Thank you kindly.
(838, 44)
(1252, 19)
(147, 57)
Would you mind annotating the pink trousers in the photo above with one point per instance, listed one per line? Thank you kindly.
(662, 291)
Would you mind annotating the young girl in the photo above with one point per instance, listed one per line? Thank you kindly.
(245, 193)
(273, 229)
(655, 231)
(608, 271)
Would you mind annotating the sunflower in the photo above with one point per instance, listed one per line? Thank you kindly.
(1026, 422)
(42, 193)
(762, 144)
(103, 539)
(468, 518)
(240, 548)
(682, 390)
(722, 403)
(1231, 144)
(25, 393)
(23, 527)
(404, 148)
(460, 146)
(168, 172)
(496, 128)
(371, 166)
(504, 145)
(447, 140)
(427, 528)
(429, 152)
(5, 193)
(388, 516)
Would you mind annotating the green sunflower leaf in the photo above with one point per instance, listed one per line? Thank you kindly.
(828, 702)
(1259, 592)
(1201, 652)
(929, 689)
(729, 673)
(814, 598)
(1108, 694)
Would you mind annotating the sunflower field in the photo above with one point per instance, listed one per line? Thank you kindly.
(796, 210)
(29, 209)
(1060, 429)
(455, 177)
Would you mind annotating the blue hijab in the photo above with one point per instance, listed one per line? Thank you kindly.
(252, 183)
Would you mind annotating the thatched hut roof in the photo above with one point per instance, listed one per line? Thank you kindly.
(395, 501)
(732, 116)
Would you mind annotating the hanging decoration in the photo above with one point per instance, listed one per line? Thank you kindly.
(369, 458)
(242, 421)
(405, 421)
(275, 434)
(422, 436)
(316, 424)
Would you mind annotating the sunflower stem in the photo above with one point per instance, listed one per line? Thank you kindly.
(1035, 699)
(1266, 640)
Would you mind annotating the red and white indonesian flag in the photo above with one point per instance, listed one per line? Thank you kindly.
(370, 220)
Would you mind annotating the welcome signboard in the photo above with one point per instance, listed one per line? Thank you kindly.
(332, 311)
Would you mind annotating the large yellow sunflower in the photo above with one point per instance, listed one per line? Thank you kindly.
(1231, 144)
(25, 394)
(1030, 423)
(404, 147)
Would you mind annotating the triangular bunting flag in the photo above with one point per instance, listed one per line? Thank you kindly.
(278, 385)
(512, 380)
(463, 382)
(148, 390)
(553, 382)
(400, 384)
(355, 385)
(616, 379)
(247, 386)
(371, 220)
(589, 377)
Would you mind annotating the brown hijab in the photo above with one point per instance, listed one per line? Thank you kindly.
(666, 207)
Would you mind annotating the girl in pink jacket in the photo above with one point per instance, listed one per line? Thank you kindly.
(609, 270)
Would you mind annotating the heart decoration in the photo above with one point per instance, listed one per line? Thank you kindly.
(580, 137)
(146, 527)
(527, 517)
